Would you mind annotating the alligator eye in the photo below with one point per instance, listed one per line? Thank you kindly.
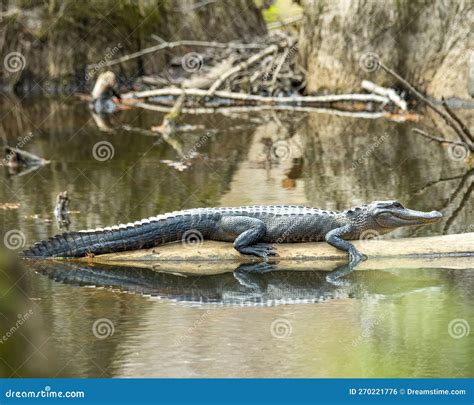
(397, 205)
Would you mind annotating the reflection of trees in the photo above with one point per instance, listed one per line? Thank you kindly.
(347, 165)
(457, 201)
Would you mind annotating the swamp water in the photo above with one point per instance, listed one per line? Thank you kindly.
(125, 322)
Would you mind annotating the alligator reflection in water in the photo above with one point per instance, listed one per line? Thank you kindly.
(242, 287)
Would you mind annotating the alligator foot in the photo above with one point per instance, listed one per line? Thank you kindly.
(261, 267)
(262, 250)
(249, 275)
(334, 276)
(355, 257)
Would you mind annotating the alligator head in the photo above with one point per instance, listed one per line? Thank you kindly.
(386, 216)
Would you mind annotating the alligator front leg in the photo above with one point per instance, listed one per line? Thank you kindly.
(248, 233)
(335, 238)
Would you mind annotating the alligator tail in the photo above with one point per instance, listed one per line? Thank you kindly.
(139, 235)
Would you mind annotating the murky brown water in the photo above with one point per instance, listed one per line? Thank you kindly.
(392, 322)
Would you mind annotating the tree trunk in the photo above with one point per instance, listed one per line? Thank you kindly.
(428, 42)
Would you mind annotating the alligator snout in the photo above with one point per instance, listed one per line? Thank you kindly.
(434, 216)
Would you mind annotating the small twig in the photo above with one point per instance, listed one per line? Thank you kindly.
(457, 119)
(165, 45)
(440, 140)
(283, 59)
(288, 21)
(241, 66)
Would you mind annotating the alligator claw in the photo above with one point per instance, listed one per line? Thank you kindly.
(261, 267)
(262, 250)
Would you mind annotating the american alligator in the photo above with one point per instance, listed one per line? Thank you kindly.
(252, 229)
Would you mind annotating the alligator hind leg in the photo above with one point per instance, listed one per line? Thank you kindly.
(248, 232)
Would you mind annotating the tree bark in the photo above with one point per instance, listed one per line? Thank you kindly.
(428, 42)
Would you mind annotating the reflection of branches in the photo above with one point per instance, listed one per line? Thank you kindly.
(460, 189)
(456, 212)
(434, 138)
(435, 182)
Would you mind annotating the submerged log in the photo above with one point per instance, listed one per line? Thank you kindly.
(448, 251)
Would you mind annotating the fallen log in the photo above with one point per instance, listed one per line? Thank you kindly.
(448, 251)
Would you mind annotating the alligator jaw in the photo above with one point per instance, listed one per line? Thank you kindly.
(412, 217)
